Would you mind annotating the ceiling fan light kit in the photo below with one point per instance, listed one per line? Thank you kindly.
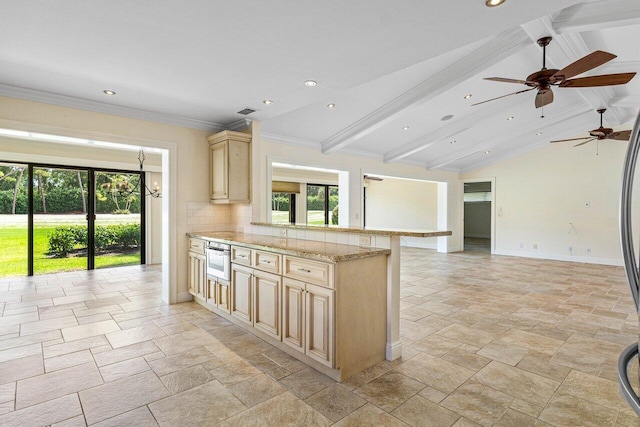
(544, 79)
(494, 3)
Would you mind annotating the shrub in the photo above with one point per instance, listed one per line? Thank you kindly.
(334, 216)
(65, 239)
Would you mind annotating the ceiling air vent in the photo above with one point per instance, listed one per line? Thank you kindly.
(247, 111)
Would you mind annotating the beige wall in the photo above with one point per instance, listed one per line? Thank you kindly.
(189, 146)
(541, 199)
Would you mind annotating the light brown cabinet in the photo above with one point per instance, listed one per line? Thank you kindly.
(241, 293)
(308, 319)
(230, 167)
(197, 272)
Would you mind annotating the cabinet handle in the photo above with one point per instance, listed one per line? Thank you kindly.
(304, 270)
(241, 256)
(267, 261)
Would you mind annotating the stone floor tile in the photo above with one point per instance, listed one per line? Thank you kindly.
(49, 386)
(166, 365)
(47, 325)
(94, 318)
(140, 417)
(17, 369)
(123, 353)
(466, 335)
(74, 346)
(234, 371)
(501, 351)
(256, 390)
(594, 389)
(186, 379)
(44, 414)
(205, 405)
(124, 369)
(77, 421)
(539, 363)
(283, 409)
(20, 352)
(478, 403)
(115, 398)
(184, 341)
(84, 331)
(335, 402)
(516, 382)
(7, 392)
(134, 335)
(566, 410)
(390, 390)
(437, 373)
(513, 418)
(419, 411)
(67, 360)
(432, 394)
(306, 382)
(369, 415)
(435, 345)
(471, 361)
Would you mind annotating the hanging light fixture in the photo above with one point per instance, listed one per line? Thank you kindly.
(125, 189)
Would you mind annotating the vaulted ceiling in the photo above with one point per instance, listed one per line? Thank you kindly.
(397, 72)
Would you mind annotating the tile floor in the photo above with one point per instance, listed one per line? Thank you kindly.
(489, 340)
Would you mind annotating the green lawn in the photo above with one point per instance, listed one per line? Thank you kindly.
(13, 254)
(313, 217)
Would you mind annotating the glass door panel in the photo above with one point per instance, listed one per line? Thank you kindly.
(118, 230)
(315, 204)
(281, 208)
(333, 205)
(13, 220)
(59, 220)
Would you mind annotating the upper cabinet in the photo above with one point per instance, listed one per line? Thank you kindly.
(230, 167)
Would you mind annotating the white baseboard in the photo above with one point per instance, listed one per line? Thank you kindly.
(184, 297)
(394, 350)
(561, 257)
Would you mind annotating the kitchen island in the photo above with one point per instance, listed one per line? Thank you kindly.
(323, 303)
(389, 239)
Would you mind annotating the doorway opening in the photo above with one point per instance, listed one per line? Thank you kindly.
(478, 218)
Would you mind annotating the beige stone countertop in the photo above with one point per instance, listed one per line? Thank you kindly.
(332, 252)
(372, 231)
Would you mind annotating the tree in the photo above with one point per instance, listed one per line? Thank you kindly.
(15, 192)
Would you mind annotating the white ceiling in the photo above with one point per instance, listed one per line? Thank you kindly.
(385, 65)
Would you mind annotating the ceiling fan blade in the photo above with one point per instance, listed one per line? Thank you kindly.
(603, 80)
(582, 143)
(572, 139)
(623, 135)
(544, 97)
(509, 94)
(502, 79)
(583, 64)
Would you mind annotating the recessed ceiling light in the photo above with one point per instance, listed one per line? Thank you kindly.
(310, 83)
(539, 133)
(452, 142)
(494, 3)
(510, 118)
(267, 101)
(487, 152)
(467, 96)
(447, 117)
(405, 128)
(332, 105)
(108, 92)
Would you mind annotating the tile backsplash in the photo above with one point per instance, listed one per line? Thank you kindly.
(204, 216)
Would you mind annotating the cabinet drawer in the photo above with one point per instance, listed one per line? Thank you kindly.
(318, 273)
(196, 245)
(240, 255)
(267, 261)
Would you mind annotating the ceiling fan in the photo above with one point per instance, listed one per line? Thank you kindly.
(600, 133)
(545, 78)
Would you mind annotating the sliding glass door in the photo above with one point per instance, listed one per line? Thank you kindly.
(56, 218)
(13, 220)
(322, 203)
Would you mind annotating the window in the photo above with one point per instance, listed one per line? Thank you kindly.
(322, 204)
(283, 208)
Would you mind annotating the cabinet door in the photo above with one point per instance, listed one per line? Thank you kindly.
(293, 308)
(223, 296)
(192, 273)
(201, 276)
(241, 303)
(319, 319)
(212, 292)
(266, 302)
(218, 165)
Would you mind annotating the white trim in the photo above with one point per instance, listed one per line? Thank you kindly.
(169, 188)
(101, 107)
(492, 180)
(597, 15)
(558, 257)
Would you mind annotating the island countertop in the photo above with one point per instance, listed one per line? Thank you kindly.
(372, 231)
(321, 251)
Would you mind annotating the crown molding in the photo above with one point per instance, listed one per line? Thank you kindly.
(524, 131)
(597, 15)
(490, 53)
(101, 107)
